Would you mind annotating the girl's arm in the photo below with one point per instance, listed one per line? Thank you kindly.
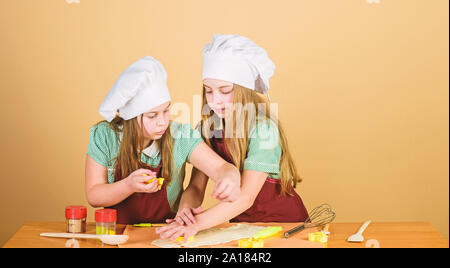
(100, 193)
(225, 175)
(252, 182)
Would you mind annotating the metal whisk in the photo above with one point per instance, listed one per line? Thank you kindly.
(319, 216)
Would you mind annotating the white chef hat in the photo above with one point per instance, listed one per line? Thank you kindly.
(140, 88)
(239, 60)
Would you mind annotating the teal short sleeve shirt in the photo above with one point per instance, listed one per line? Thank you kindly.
(264, 149)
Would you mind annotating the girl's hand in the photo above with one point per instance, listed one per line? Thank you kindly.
(186, 216)
(174, 230)
(137, 181)
(227, 189)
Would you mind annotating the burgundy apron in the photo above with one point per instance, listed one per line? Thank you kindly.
(268, 205)
(143, 207)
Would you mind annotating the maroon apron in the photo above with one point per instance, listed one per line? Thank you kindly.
(268, 206)
(143, 207)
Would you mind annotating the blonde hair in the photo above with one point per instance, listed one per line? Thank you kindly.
(237, 145)
(129, 157)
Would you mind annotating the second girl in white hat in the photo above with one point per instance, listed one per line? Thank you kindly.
(238, 124)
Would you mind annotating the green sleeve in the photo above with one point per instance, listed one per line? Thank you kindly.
(98, 144)
(185, 141)
(264, 150)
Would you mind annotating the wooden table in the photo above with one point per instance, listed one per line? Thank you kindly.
(388, 234)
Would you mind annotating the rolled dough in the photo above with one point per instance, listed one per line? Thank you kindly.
(213, 236)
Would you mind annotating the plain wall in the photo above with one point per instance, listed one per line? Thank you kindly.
(362, 91)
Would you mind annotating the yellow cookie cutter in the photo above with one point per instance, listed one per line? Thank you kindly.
(251, 243)
(318, 237)
(257, 240)
(181, 239)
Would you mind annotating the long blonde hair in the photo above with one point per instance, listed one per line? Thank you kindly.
(238, 145)
(129, 157)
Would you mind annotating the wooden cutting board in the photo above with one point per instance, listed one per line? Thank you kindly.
(142, 237)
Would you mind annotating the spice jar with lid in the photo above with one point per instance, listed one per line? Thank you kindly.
(76, 219)
(105, 221)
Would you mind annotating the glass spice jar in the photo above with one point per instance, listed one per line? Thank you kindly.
(76, 219)
(105, 221)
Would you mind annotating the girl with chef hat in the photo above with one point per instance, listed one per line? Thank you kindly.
(236, 73)
(137, 142)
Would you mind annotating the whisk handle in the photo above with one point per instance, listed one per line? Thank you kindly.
(293, 231)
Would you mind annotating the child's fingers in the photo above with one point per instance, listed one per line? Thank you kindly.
(170, 232)
(166, 228)
(226, 194)
(145, 171)
(231, 197)
(151, 187)
(153, 183)
(197, 210)
(179, 220)
(184, 219)
(159, 229)
(218, 189)
(225, 191)
(144, 179)
(188, 218)
(176, 234)
(144, 188)
(188, 233)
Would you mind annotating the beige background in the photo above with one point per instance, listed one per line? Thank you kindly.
(363, 93)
